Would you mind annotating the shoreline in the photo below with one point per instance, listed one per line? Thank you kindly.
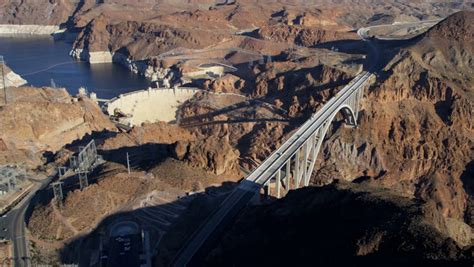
(13, 79)
(30, 29)
(99, 57)
(139, 67)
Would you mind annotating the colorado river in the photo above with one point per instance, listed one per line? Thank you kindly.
(44, 62)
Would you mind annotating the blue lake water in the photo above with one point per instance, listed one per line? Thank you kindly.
(43, 62)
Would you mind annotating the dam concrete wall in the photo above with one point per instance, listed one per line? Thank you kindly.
(151, 105)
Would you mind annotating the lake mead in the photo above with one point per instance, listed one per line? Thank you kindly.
(45, 62)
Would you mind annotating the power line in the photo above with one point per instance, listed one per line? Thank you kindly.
(48, 68)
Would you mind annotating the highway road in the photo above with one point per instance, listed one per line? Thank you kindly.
(14, 222)
(365, 32)
(252, 184)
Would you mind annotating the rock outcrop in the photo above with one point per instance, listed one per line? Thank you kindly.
(32, 12)
(415, 134)
(92, 43)
(27, 124)
(99, 37)
(213, 154)
(304, 36)
(226, 84)
(150, 133)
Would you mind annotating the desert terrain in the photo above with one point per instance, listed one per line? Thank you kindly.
(399, 184)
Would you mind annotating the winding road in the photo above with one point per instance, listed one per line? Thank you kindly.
(15, 221)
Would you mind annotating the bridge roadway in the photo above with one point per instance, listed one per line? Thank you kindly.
(271, 167)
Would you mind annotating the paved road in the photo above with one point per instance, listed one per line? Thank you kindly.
(250, 187)
(365, 32)
(16, 229)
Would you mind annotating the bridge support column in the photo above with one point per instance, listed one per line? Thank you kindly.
(288, 175)
(266, 191)
(278, 184)
(307, 150)
(297, 169)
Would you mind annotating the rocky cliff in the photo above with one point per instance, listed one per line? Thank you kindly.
(304, 36)
(109, 29)
(212, 154)
(39, 120)
(284, 93)
(415, 134)
(26, 12)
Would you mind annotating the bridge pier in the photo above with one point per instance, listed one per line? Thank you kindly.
(297, 169)
(278, 184)
(288, 176)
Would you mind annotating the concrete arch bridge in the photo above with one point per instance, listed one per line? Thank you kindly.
(289, 167)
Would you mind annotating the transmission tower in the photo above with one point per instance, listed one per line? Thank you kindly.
(73, 163)
(83, 181)
(12, 183)
(87, 156)
(62, 171)
(58, 192)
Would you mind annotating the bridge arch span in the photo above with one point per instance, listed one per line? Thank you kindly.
(350, 117)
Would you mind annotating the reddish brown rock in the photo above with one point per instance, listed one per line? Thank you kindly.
(215, 155)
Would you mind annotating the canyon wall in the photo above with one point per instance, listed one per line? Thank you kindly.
(415, 133)
(27, 128)
(36, 12)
